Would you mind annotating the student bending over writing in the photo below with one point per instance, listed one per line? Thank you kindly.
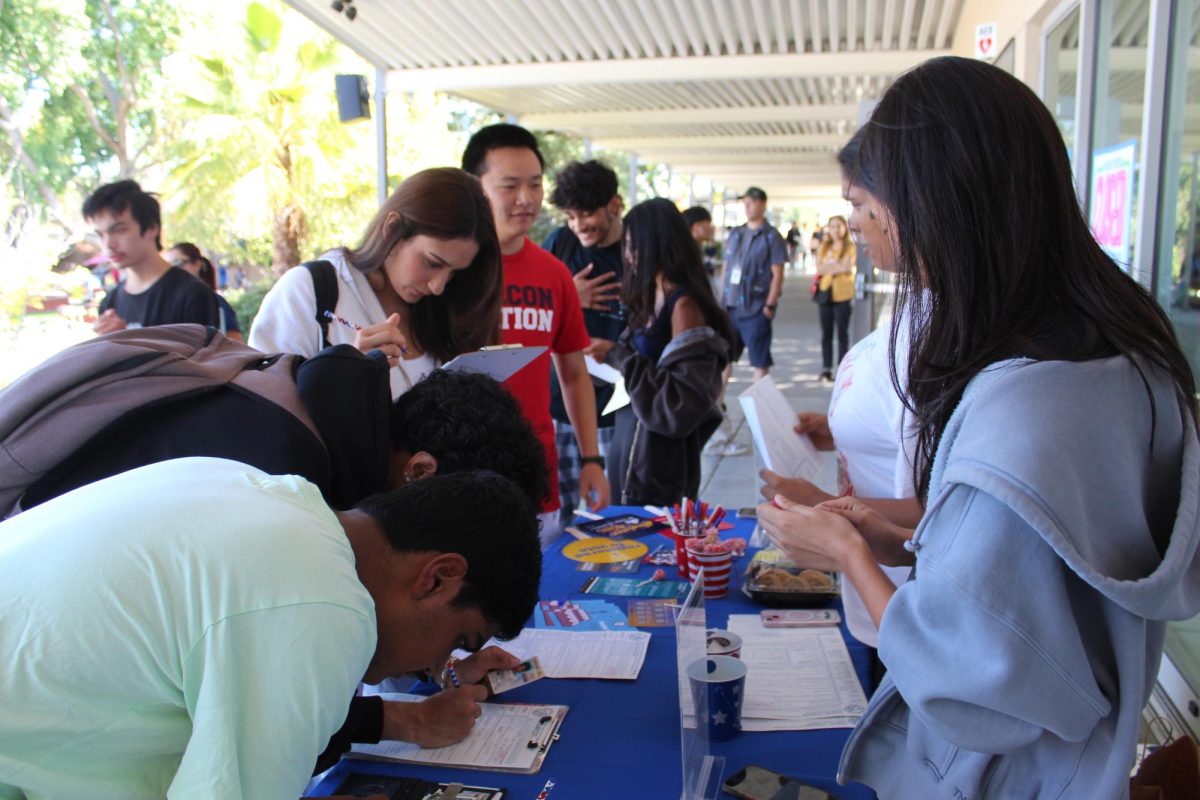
(211, 649)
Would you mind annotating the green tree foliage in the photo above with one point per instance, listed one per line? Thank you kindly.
(79, 95)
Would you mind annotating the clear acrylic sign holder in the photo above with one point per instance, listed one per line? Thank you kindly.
(702, 772)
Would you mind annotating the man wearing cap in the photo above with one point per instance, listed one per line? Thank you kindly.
(752, 278)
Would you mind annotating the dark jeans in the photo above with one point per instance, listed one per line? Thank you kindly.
(834, 314)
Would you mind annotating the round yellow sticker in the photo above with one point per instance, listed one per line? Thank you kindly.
(605, 551)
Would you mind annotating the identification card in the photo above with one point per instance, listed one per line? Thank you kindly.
(526, 672)
(735, 274)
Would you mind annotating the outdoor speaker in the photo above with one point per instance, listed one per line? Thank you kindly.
(352, 98)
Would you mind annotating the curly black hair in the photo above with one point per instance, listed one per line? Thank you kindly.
(485, 518)
(584, 186)
(470, 422)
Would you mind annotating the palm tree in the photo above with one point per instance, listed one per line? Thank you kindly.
(264, 128)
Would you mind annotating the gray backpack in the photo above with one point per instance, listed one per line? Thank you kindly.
(50, 414)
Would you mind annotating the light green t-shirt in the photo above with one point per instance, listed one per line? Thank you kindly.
(190, 629)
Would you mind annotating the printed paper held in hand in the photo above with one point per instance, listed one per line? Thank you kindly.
(499, 363)
(771, 422)
(609, 374)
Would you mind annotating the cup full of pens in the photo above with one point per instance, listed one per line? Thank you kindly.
(691, 520)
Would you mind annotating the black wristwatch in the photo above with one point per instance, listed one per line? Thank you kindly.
(599, 460)
(771, 306)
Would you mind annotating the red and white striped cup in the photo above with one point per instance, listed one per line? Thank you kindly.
(716, 567)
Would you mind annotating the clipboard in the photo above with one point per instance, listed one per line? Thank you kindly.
(507, 737)
(500, 362)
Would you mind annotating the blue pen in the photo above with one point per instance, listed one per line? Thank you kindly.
(332, 317)
(354, 326)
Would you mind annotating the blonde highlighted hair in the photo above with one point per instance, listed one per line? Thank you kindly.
(827, 242)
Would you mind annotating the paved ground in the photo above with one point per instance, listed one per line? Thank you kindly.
(732, 481)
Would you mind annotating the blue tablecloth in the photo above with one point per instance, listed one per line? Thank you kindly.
(621, 739)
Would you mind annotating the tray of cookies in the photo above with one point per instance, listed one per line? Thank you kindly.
(774, 580)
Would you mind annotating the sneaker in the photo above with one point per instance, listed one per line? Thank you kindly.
(720, 437)
(826, 377)
(735, 449)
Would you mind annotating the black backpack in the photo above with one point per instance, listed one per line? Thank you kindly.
(143, 395)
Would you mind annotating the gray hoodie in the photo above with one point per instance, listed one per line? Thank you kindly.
(1060, 535)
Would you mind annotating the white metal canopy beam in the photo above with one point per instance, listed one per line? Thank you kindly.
(658, 70)
(684, 144)
(707, 115)
(778, 173)
(694, 162)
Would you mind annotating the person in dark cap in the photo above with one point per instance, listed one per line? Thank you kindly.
(752, 278)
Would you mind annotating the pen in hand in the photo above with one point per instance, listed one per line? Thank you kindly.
(452, 674)
(342, 320)
(354, 326)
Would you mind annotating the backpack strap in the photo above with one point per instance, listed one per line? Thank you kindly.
(564, 245)
(325, 284)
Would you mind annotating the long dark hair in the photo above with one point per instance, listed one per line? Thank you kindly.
(658, 240)
(444, 203)
(974, 174)
(192, 255)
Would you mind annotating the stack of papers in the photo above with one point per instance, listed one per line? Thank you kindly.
(615, 655)
(797, 678)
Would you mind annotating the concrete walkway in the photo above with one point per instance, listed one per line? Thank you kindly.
(732, 481)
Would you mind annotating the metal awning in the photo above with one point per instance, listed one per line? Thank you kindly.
(741, 92)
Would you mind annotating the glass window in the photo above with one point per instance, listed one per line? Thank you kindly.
(1061, 74)
(1124, 30)
(1177, 274)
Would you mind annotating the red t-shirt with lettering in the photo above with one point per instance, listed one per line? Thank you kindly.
(540, 307)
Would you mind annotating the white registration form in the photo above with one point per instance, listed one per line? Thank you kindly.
(770, 419)
(617, 655)
(500, 739)
(797, 678)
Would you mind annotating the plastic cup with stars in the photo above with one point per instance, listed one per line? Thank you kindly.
(719, 683)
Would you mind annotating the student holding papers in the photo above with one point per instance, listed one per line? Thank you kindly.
(423, 285)
(1056, 454)
(868, 426)
(672, 354)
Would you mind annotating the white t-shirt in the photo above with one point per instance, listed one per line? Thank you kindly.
(286, 321)
(867, 420)
(190, 629)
